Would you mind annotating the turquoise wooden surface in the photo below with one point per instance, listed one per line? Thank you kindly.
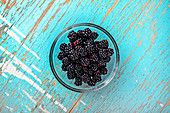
(141, 29)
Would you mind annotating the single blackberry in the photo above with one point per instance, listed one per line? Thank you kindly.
(103, 44)
(94, 58)
(87, 32)
(85, 78)
(67, 49)
(89, 41)
(71, 52)
(70, 68)
(97, 78)
(85, 69)
(70, 45)
(70, 75)
(78, 81)
(90, 73)
(72, 34)
(74, 56)
(110, 52)
(78, 67)
(85, 61)
(78, 42)
(102, 53)
(61, 55)
(79, 73)
(91, 83)
(72, 39)
(65, 61)
(94, 67)
(94, 35)
(63, 46)
(90, 49)
(102, 64)
(64, 68)
(82, 52)
(80, 33)
(103, 71)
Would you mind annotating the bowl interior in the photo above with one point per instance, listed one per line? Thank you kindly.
(62, 75)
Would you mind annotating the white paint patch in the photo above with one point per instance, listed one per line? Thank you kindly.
(161, 104)
(12, 70)
(36, 68)
(10, 81)
(3, 74)
(14, 36)
(136, 80)
(23, 66)
(30, 97)
(6, 93)
(82, 102)
(28, 108)
(6, 21)
(9, 108)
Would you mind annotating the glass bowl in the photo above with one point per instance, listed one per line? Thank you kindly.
(56, 64)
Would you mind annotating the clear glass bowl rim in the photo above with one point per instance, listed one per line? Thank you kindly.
(112, 74)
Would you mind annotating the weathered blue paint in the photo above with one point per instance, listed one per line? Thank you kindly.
(141, 29)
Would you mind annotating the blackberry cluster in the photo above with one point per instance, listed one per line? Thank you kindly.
(83, 58)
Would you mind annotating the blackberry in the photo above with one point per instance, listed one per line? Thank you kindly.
(85, 78)
(87, 32)
(70, 68)
(64, 68)
(63, 46)
(103, 44)
(78, 67)
(102, 53)
(91, 83)
(90, 49)
(80, 33)
(79, 73)
(70, 75)
(85, 61)
(65, 61)
(103, 71)
(82, 51)
(61, 55)
(97, 73)
(67, 49)
(89, 41)
(74, 56)
(78, 82)
(97, 78)
(85, 69)
(94, 58)
(94, 67)
(110, 52)
(72, 34)
(94, 35)
(78, 42)
(90, 73)
(102, 64)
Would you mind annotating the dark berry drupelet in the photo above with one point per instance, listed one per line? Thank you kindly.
(72, 34)
(70, 68)
(85, 69)
(78, 67)
(102, 63)
(74, 56)
(78, 42)
(66, 61)
(78, 81)
(97, 78)
(67, 49)
(87, 32)
(61, 55)
(63, 46)
(82, 52)
(94, 58)
(79, 73)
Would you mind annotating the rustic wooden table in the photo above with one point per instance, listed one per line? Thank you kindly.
(140, 28)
